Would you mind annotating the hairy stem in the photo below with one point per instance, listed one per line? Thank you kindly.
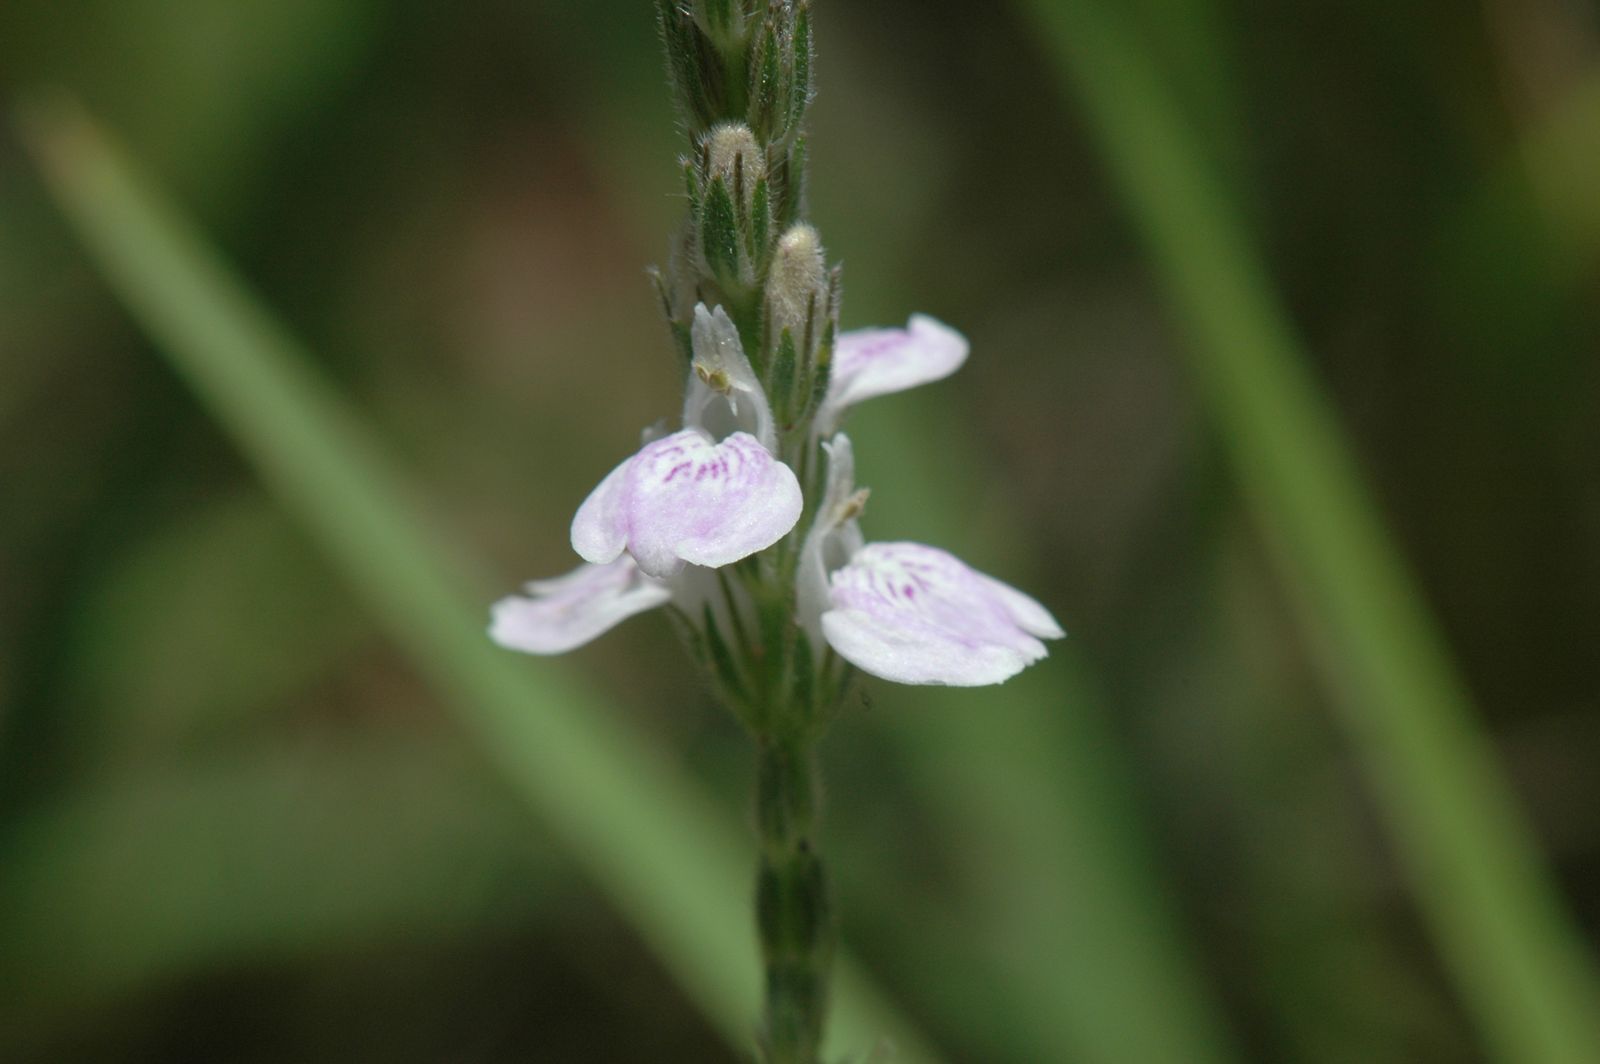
(792, 911)
(741, 70)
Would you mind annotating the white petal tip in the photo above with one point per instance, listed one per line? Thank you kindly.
(871, 362)
(566, 612)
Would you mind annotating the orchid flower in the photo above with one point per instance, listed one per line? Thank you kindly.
(683, 499)
(687, 498)
(906, 612)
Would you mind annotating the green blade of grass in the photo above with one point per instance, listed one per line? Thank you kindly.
(670, 863)
(1457, 828)
(1071, 902)
(278, 853)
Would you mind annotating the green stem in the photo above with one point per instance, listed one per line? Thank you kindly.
(792, 912)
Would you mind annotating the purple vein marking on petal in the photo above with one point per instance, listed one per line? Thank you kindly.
(916, 614)
(738, 500)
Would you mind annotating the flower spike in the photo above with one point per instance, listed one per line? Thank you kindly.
(752, 308)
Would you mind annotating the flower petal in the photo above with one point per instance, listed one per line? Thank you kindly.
(570, 610)
(1024, 610)
(916, 614)
(600, 528)
(834, 537)
(873, 362)
(684, 499)
(724, 395)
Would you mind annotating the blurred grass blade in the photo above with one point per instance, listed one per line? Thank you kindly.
(670, 863)
(1561, 161)
(1514, 251)
(281, 853)
(1471, 857)
(1193, 46)
(1032, 778)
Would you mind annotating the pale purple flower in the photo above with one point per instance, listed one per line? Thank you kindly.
(704, 496)
(906, 612)
(916, 614)
(684, 499)
(868, 363)
(568, 611)
(687, 498)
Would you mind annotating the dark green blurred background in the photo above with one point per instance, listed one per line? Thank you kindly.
(236, 826)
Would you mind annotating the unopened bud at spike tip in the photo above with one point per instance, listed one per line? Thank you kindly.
(731, 153)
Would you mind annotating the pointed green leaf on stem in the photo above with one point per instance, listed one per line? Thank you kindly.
(790, 175)
(764, 94)
(685, 63)
(719, 233)
(782, 385)
(800, 71)
(761, 224)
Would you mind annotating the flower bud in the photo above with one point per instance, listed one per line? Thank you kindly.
(733, 209)
(797, 306)
(797, 284)
(731, 153)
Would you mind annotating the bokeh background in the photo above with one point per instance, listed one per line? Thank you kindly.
(237, 823)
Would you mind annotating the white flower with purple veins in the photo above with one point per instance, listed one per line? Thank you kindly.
(685, 499)
(688, 499)
(906, 612)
